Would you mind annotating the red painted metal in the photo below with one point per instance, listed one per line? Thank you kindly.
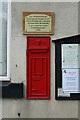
(38, 67)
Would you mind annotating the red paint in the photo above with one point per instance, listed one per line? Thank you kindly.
(38, 67)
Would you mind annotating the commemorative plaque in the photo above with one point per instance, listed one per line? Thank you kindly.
(38, 23)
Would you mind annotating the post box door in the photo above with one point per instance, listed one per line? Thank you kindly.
(38, 67)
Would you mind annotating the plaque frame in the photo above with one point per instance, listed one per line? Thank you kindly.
(51, 14)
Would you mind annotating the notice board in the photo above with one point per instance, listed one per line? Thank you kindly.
(67, 68)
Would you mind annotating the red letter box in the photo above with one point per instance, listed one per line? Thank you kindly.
(38, 67)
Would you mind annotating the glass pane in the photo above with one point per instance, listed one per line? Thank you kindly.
(70, 68)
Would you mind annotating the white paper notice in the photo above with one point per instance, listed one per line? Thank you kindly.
(79, 55)
(70, 80)
(62, 94)
(70, 56)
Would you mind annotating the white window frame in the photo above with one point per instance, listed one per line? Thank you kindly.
(7, 77)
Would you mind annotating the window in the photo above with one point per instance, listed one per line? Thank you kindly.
(5, 40)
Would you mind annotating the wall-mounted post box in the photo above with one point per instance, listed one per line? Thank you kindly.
(38, 67)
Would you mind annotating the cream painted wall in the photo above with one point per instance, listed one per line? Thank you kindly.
(66, 24)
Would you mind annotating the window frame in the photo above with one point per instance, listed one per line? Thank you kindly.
(7, 77)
